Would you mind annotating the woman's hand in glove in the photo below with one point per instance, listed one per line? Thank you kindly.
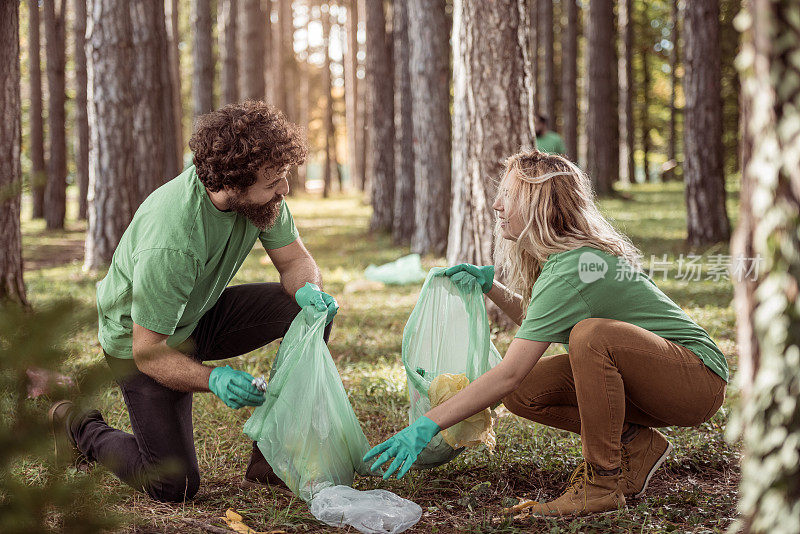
(404, 447)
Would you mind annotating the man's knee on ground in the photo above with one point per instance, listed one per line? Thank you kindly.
(175, 487)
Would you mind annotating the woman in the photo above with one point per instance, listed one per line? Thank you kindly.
(635, 360)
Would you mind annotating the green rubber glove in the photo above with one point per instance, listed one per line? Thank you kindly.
(463, 273)
(312, 294)
(404, 447)
(235, 388)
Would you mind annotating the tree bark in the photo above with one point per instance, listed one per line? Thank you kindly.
(288, 73)
(534, 30)
(12, 286)
(602, 121)
(569, 79)
(203, 57)
(253, 50)
(351, 98)
(154, 160)
(380, 155)
(492, 116)
(707, 220)
(173, 39)
(109, 53)
(644, 113)
(81, 113)
(547, 39)
(362, 124)
(767, 315)
(227, 30)
(55, 198)
(403, 222)
(429, 36)
(38, 176)
(628, 129)
(328, 99)
(672, 147)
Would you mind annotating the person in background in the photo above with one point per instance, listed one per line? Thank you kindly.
(547, 140)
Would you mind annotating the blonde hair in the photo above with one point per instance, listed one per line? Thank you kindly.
(555, 200)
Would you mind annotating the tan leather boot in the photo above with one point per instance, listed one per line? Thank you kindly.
(640, 458)
(586, 493)
(260, 473)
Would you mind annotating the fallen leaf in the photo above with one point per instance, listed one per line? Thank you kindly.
(235, 522)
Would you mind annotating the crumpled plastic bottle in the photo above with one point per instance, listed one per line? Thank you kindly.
(370, 512)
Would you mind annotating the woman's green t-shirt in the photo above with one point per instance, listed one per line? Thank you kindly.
(587, 282)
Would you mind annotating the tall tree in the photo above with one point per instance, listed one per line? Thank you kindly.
(429, 37)
(628, 165)
(351, 95)
(287, 73)
(81, 113)
(766, 303)
(672, 147)
(362, 124)
(35, 120)
(644, 111)
(534, 30)
(569, 79)
(55, 198)
(403, 223)
(173, 39)
(203, 58)
(547, 39)
(380, 99)
(488, 126)
(602, 121)
(153, 124)
(253, 29)
(12, 287)
(706, 218)
(227, 29)
(328, 99)
(109, 51)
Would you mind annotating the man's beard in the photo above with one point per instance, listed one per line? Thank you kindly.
(262, 216)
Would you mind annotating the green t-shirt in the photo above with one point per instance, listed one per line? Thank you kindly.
(587, 282)
(173, 262)
(551, 143)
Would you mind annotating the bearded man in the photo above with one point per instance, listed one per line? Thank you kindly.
(164, 307)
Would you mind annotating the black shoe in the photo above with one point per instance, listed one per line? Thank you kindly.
(260, 473)
(60, 417)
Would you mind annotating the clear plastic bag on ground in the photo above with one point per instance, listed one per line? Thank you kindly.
(447, 332)
(405, 270)
(473, 431)
(370, 512)
(306, 429)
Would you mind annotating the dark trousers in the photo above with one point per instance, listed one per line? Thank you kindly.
(159, 457)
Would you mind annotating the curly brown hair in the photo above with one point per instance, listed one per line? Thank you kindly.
(232, 143)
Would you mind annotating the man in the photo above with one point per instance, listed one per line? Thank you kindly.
(546, 139)
(164, 307)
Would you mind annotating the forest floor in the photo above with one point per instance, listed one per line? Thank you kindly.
(696, 491)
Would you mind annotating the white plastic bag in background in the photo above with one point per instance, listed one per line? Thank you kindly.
(371, 512)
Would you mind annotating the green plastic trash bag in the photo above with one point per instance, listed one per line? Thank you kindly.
(405, 270)
(447, 332)
(306, 429)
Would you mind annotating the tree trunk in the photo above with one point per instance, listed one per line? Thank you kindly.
(534, 9)
(328, 99)
(644, 120)
(403, 223)
(203, 57)
(252, 49)
(229, 77)
(547, 39)
(173, 38)
(81, 116)
(109, 53)
(767, 315)
(628, 129)
(672, 147)
(489, 49)
(288, 73)
(362, 124)
(304, 103)
(380, 156)
(569, 80)
(707, 220)
(38, 177)
(602, 121)
(12, 286)
(152, 120)
(351, 96)
(55, 198)
(429, 37)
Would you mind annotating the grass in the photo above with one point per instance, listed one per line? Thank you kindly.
(695, 492)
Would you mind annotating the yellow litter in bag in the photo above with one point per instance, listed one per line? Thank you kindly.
(472, 431)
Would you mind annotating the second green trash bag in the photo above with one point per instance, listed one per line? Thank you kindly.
(447, 332)
(306, 429)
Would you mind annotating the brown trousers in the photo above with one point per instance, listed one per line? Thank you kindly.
(615, 376)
